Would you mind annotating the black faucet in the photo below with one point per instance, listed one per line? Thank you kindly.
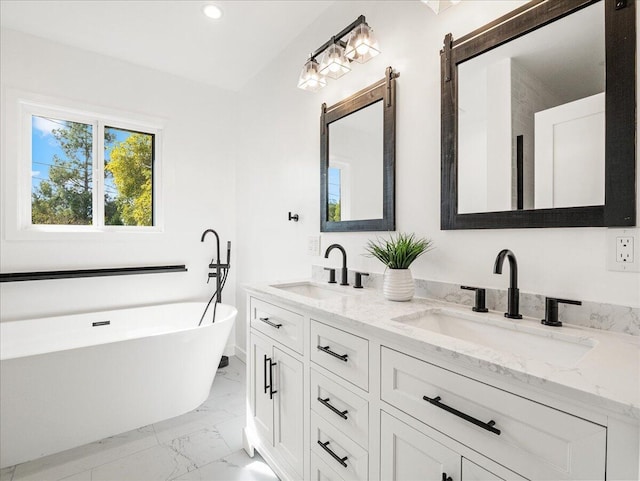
(343, 271)
(513, 293)
(218, 266)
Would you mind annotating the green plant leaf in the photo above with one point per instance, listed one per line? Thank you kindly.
(398, 252)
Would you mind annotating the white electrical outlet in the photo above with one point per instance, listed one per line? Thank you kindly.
(313, 248)
(622, 250)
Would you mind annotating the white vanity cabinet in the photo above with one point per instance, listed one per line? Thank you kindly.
(339, 401)
(530, 438)
(276, 388)
(353, 405)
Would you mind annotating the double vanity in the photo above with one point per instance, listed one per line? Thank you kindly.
(344, 385)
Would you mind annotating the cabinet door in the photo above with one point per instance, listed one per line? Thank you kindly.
(491, 472)
(409, 455)
(288, 408)
(261, 404)
(321, 472)
(473, 472)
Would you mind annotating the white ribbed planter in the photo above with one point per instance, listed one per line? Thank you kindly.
(398, 285)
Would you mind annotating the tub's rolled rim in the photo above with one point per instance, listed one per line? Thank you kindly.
(228, 316)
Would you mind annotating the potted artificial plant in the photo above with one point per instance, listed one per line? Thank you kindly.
(397, 254)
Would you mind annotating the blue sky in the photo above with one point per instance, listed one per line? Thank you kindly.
(334, 184)
(44, 147)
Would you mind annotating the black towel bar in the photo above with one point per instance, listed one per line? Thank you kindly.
(71, 274)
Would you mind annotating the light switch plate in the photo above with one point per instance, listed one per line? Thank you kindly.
(623, 250)
(313, 248)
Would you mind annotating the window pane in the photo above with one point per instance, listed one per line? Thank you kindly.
(61, 172)
(334, 195)
(128, 171)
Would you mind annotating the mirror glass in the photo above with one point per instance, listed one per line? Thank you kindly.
(537, 129)
(355, 173)
(531, 119)
(357, 160)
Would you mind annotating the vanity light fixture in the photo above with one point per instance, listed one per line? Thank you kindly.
(362, 45)
(334, 62)
(354, 43)
(310, 78)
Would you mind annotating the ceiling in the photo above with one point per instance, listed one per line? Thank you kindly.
(169, 35)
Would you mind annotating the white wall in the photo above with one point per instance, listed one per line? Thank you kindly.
(272, 129)
(529, 95)
(499, 158)
(278, 168)
(199, 183)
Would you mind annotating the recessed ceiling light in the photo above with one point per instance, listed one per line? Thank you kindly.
(212, 11)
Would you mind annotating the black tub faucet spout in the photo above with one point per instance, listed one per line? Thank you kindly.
(219, 267)
(513, 293)
(344, 270)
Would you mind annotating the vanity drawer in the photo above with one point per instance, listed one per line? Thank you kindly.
(342, 408)
(280, 324)
(342, 353)
(534, 440)
(346, 457)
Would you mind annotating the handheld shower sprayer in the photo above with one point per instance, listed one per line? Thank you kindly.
(221, 271)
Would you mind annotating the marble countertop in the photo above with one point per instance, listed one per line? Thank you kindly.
(606, 375)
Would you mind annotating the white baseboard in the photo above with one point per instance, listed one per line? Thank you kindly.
(241, 354)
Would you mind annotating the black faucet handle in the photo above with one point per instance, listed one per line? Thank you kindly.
(358, 282)
(332, 274)
(481, 295)
(551, 310)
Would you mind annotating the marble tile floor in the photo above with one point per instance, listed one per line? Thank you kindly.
(203, 445)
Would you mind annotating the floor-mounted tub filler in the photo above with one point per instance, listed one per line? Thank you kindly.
(66, 381)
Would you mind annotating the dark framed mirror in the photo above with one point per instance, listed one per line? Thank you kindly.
(539, 118)
(357, 160)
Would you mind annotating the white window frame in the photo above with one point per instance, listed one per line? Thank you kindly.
(18, 223)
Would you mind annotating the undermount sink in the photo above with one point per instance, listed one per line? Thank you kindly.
(509, 337)
(313, 291)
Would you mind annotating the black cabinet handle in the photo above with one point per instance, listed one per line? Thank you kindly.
(446, 478)
(325, 402)
(488, 426)
(272, 324)
(332, 454)
(271, 391)
(266, 386)
(342, 357)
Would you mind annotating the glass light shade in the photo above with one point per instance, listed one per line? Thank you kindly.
(362, 44)
(334, 64)
(310, 78)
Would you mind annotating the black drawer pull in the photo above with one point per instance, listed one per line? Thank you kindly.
(342, 357)
(264, 364)
(332, 454)
(325, 402)
(488, 426)
(271, 391)
(272, 324)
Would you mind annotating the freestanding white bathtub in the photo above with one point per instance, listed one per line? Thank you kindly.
(70, 380)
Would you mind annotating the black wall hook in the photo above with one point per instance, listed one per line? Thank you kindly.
(293, 217)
